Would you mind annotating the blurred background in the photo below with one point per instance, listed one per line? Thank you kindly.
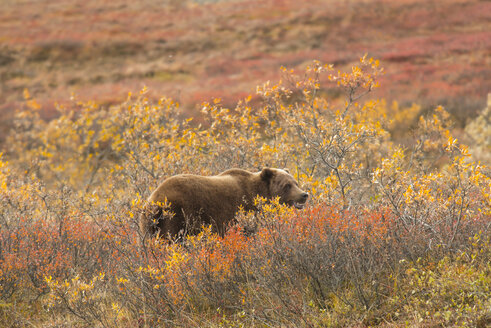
(434, 52)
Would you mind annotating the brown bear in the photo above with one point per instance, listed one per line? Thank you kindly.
(185, 202)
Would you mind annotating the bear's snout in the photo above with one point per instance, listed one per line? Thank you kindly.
(300, 200)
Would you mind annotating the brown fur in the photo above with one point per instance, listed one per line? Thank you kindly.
(196, 200)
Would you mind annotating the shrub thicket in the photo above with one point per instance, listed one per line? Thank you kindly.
(392, 234)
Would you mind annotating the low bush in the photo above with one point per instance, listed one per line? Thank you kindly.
(394, 235)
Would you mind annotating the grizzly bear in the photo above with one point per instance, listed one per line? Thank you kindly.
(185, 202)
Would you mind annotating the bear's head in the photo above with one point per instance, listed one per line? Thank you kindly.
(282, 184)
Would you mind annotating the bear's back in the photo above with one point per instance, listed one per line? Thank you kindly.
(236, 173)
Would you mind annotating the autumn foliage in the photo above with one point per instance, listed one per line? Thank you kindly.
(392, 235)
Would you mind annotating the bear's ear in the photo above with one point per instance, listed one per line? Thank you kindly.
(266, 174)
(286, 170)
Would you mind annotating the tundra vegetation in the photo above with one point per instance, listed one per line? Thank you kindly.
(393, 235)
